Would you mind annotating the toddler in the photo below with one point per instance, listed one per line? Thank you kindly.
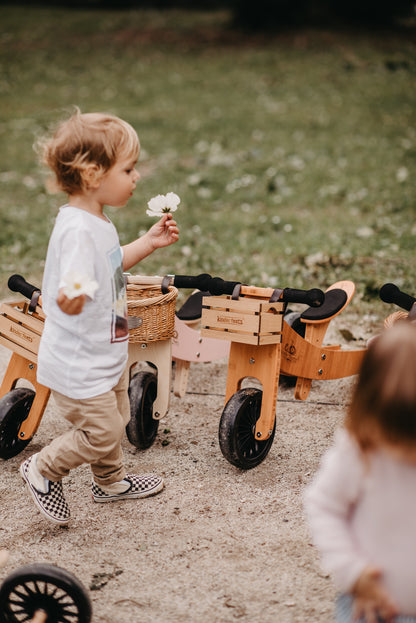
(83, 348)
(361, 505)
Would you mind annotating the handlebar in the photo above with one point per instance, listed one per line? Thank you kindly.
(17, 283)
(390, 293)
(217, 286)
(313, 297)
(205, 283)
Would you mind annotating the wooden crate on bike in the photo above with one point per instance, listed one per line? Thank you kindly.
(20, 330)
(245, 320)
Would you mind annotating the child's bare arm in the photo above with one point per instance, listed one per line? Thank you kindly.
(161, 234)
(371, 598)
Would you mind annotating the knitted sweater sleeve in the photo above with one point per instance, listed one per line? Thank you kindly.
(329, 503)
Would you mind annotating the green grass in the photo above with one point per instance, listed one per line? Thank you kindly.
(294, 156)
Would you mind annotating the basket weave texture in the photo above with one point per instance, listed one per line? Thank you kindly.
(151, 313)
(394, 317)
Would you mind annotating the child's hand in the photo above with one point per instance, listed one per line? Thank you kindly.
(371, 598)
(72, 307)
(161, 234)
(164, 232)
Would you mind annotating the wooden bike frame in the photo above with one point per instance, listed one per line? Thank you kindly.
(263, 346)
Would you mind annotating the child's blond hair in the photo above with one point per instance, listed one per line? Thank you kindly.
(384, 399)
(87, 142)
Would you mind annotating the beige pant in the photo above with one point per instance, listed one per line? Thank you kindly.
(98, 427)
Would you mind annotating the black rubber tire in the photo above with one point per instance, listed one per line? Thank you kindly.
(236, 431)
(45, 587)
(142, 428)
(14, 409)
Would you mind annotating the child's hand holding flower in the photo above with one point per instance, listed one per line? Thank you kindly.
(165, 231)
(77, 284)
(72, 295)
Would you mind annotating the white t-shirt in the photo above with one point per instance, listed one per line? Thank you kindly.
(363, 513)
(84, 355)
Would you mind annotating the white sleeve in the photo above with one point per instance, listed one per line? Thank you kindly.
(77, 254)
(329, 501)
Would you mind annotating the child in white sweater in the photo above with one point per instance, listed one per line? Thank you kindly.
(361, 505)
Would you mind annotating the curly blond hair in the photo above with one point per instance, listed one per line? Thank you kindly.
(90, 142)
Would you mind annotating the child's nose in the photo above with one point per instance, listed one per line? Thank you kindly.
(137, 175)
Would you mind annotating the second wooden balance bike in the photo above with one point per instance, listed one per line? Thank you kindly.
(264, 346)
(249, 319)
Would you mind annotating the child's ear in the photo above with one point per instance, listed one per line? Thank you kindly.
(92, 175)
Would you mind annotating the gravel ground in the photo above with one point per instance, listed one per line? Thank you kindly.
(218, 544)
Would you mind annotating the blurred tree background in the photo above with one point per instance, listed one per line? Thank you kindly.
(267, 14)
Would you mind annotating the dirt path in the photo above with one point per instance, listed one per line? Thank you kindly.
(218, 544)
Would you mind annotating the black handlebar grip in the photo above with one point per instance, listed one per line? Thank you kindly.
(218, 286)
(17, 283)
(390, 293)
(198, 282)
(313, 297)
(206, 283)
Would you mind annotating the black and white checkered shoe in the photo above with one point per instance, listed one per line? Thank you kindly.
(51, 504)
(140, 487)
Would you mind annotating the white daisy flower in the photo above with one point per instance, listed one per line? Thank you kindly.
(161, 204)
(76, 284)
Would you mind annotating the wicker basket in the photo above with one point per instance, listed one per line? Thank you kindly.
(151, 314)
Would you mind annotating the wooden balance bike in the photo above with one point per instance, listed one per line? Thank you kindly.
(265, 346)
(44, 593)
